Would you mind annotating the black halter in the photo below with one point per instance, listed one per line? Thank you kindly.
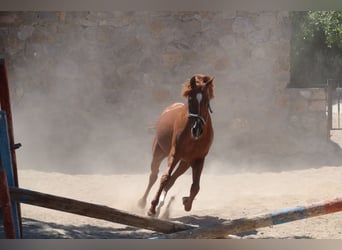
(197, 128)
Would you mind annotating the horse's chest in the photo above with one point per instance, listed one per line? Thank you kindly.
(188, 147)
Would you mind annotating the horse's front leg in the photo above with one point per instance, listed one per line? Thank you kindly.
(195, 187)
(172, 162)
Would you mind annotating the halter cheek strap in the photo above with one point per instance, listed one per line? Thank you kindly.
(209, 107)
(200, 117)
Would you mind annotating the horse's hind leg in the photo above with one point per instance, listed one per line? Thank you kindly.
(195, 187)
(172, 162)
(158, 156)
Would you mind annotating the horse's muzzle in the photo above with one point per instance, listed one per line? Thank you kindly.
(197, 129)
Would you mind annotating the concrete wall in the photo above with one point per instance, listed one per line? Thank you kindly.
(87, 85)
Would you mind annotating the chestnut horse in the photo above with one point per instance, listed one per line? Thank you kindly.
(184, 134)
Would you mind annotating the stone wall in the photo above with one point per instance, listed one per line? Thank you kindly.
(86, 86)
(307, 109)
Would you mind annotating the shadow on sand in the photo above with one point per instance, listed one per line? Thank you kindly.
(35, 229)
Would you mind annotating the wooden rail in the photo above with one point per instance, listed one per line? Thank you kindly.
(94, 211)
(247, 224)
(173, 230)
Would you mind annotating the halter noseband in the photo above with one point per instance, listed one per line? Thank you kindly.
(198, 117)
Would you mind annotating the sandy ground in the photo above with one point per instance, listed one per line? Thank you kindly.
(221, 197)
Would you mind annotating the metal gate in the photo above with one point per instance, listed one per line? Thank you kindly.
(334, 104)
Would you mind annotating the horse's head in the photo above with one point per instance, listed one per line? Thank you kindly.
(198, 90)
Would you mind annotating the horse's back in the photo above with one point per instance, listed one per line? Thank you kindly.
(173, 107)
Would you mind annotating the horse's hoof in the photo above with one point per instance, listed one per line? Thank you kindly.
(187, 208)
(151, 213)
(187, 204)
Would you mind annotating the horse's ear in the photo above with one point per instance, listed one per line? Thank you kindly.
(193, 82)
(210, 86)
(210, 81)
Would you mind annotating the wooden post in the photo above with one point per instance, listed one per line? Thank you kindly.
(6, 207)
(5, 105)
(331, 86)
(329, 104)
(94, 211)
(247, 224)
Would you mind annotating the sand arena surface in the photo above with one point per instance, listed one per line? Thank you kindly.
(221, 197)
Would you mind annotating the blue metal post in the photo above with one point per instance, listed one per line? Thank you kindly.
(6, 166)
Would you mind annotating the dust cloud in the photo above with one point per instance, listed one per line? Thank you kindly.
(69, 124)
(88, 86)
